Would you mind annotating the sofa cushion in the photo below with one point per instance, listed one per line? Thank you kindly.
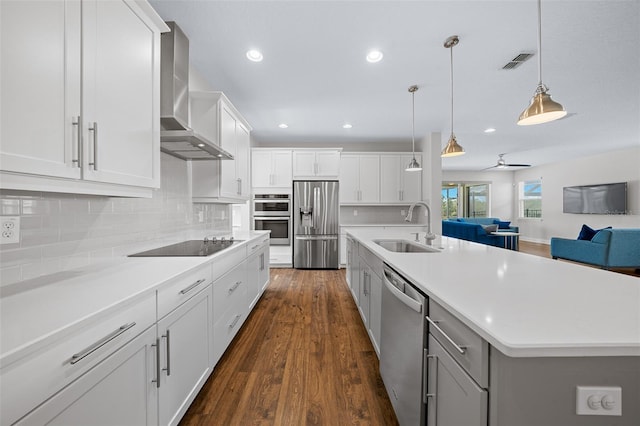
(489, 228)
(587, 233)
(502, 224)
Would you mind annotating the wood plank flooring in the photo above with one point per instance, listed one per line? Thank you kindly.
(303, 357)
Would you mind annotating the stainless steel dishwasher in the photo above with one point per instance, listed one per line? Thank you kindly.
(402, 345)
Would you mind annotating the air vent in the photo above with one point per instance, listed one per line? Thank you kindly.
(517, 61)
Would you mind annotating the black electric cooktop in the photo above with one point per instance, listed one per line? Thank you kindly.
(204, 247)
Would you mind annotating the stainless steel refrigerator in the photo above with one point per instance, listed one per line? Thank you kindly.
(315, 224)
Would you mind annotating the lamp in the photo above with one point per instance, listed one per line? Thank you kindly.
(413, 166)
(542, 108)
(452, 149)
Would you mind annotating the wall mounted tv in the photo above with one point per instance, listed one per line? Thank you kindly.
(608, 198)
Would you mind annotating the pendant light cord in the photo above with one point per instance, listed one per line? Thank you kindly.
(451, 78)
(540, 42)
(413, 123)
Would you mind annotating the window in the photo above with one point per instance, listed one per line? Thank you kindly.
(530, 198)
(449, 201)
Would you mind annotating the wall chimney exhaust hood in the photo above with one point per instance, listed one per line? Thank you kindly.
(176, 137)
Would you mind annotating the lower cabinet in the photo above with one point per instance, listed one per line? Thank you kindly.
(370, 294)
(230, 308)
(257, 272)
(453, 398)
(121, 390)
(185, 342)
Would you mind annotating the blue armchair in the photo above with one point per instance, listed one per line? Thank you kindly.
(609, 248)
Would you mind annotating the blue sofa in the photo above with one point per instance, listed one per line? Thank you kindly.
(609, 248)
(471, 229)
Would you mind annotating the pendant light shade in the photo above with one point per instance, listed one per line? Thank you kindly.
(542, 108)
(452, 149)
(413, 166)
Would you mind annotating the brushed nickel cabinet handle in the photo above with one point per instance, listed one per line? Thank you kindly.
(235, 321)
(192, 286)
(234, 287)
(157, 379)
(94, 129)
(76, 122)
(168, 369)
(100, 343)
(459, 348)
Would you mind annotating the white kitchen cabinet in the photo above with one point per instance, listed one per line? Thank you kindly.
(230, 307)
(121, 390)
(359, 178)
(184, 336)
(396, 184)
(271, 168)
(80, 116)
(316, 164)
(257, 272)
(220, 180)
(370, 294)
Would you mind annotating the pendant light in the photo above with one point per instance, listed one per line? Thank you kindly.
(452, 149)
(413, 166)
(542, 108)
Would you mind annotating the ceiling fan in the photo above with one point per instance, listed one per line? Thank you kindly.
(502, 164)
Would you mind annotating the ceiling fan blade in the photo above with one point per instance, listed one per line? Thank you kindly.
(487, 168)
(518, 165)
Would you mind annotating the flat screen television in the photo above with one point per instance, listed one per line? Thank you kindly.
(608, 198)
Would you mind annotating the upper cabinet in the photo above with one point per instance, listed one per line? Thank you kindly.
(396, 184)
(359, 178)
(216, 118)
(316, 164)
(70, 109)
(271, 168)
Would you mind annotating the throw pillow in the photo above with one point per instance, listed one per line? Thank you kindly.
(502, 224)
(489, 228)
(460, 219)
(587, 233)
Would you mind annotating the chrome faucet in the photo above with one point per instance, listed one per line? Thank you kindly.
(429, 236)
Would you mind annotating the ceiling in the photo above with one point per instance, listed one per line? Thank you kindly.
(314, 76)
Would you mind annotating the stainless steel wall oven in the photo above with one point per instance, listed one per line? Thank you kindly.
(272, 212)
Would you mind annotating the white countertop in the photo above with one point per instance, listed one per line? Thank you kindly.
(35, 312)
(523, 305)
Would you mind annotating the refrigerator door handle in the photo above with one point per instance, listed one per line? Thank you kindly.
(316, 203)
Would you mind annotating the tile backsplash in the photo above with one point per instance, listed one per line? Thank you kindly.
(65, 231)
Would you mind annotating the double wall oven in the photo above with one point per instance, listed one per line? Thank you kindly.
(272, 212)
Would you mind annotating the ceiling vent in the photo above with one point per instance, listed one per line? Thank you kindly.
(517, 61)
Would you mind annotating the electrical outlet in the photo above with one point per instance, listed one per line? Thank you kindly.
(599, 400)
(200, 216)
(10, 230)
(403, 212)
(355, 212)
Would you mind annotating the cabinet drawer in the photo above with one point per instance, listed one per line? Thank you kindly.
(232, 257)
(226, 327)
(30, 381)
(256, 245)
(449, 331)
(175, 292)
(229, 291)
(374, 262)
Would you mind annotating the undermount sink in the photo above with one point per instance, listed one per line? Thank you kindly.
(405, 246)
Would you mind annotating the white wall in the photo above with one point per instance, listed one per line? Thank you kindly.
(502, 190)
(616, 166)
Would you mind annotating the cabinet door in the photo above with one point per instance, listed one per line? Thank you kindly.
(261, 168)
(304, 164)
(375, 310)
(254, 286)
(228, 184)
(40, 87)
(411, 181)
(390, 179)
(121, 390)
(349, 179)
(328, 164)
(455, 398)
(186, 355)
(120, 94)
(242, 160)
(369, 178)
(281, 169)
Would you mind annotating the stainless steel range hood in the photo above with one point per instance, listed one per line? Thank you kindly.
(176, 137)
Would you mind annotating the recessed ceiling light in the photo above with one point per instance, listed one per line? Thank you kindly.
(489, 130)
(374, 56)
(283, 125)
(254, 55)
(347, 126)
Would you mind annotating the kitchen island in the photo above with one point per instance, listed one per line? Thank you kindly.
(550, 326)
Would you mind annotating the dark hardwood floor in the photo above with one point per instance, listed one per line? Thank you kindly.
(303, 357)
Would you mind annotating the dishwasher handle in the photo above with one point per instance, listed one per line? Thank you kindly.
(404, 298)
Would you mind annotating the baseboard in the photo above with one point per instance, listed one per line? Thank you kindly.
(535, 240)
